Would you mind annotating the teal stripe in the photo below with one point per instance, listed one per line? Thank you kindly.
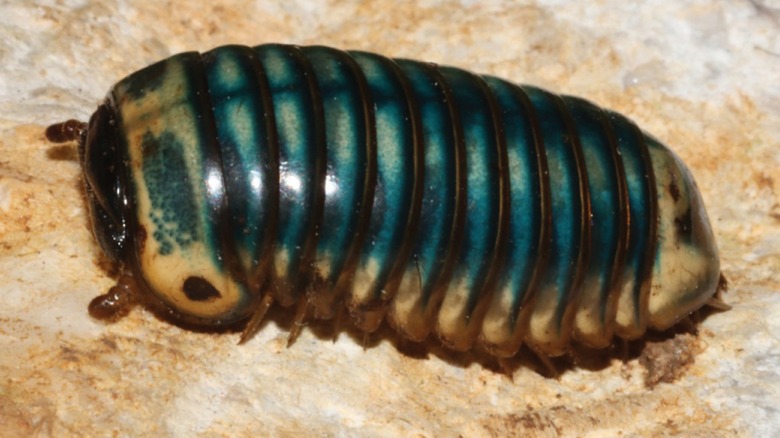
(296, 130)
(395, 167)
(565, 199)
(243, 138)
(638, 171)
(482, 210)
(345, 134)
(606, 215)
(438, 205)
(525, 217)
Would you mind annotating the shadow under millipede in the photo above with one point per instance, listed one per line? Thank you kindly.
(578, 356)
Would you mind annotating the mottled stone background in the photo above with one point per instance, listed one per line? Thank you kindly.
(702, 75)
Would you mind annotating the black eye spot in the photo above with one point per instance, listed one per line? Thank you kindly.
(199, 289)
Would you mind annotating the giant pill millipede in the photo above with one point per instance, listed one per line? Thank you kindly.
(443, 201)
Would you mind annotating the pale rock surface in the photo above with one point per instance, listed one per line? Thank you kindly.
(702, 75)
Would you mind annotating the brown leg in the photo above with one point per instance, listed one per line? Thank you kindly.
(257, 317)
(552, 371)
(338, 321)
(300, 317)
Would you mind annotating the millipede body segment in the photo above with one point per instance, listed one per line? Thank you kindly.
(444, 201)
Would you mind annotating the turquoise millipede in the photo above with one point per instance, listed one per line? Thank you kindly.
(490, 213)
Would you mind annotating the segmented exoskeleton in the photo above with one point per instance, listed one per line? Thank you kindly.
(441, 200)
